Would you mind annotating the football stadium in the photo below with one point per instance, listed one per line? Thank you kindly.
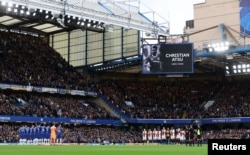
(102, 77)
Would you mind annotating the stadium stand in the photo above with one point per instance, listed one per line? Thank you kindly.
(20, 103)
(29, 61)
(38, 64)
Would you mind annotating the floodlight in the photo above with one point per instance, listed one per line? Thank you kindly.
(3, 3)
(10, 4)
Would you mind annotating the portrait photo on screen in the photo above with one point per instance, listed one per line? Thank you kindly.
(151, 59)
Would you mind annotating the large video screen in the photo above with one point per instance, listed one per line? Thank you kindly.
(167, 58)
(245, 17)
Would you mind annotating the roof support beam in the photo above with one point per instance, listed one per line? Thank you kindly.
(71, 8)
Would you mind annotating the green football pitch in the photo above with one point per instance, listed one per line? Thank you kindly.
(103, 150)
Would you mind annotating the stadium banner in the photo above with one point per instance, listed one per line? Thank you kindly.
(193, 121)
(49, 90)
(91, 93)
(30, 88)
(37, 89)
(245, 17)
(78, 92)
(161, 121)
(58, 120)
(5, 86)
(63, 91)
(226, 120)
(18, 87)
(4, 118)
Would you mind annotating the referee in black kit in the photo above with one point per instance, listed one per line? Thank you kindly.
(191, 135)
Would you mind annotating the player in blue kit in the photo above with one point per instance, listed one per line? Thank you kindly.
(27, 134)
(38, 133)
(33, 135)
(59, 136)
(22, 138)
(47, 134)
(42, 130)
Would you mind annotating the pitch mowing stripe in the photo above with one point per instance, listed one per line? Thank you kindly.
(104, 150)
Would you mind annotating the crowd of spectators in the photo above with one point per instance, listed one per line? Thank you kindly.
(29, 60)
(21, 103)
(100, 134)
(233, 100)
(178, 98)
(158, 98)
(9, 132)
(225, 133)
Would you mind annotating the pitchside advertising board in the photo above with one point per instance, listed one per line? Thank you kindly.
(229, 146)
(174, 58)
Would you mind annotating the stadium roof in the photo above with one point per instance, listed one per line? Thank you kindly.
(53, 16)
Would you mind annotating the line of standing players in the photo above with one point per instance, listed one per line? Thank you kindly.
(186, 135)
(39, 134)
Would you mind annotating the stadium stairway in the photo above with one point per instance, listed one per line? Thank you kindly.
(102, 104)
(112, 108)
